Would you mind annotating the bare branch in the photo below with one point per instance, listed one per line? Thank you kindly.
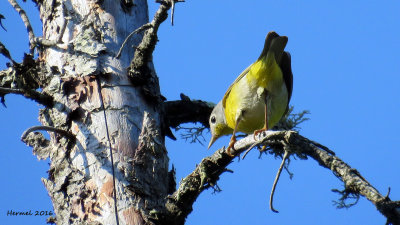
(271, 197)
(4, 51)
(28, 25)
(38, 97)
(41, 146)
(140, 29)
(187, 110)
(33, 40)
(40, 41)
(209, 170)
(146, 47)
(1, 24)
(4, 90)
(140, 74)
(24, 79)
(173, 10)
(47, 128)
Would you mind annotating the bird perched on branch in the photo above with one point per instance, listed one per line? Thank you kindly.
(259, 96)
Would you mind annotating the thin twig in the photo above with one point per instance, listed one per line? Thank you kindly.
(271, 197)
(47, 128)
(1, 25)
(266, 142)
(387, 194)
(33, 40)
(140, 29)
(172, 12)
(173, 9)
(248, 150)
(28, 25)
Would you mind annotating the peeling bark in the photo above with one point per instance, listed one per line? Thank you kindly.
(86, 35)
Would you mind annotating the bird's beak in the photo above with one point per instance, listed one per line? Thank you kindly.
(213, 139)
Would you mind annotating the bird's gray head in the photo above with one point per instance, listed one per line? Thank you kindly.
(218, 124)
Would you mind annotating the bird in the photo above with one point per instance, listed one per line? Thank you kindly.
(259, 97)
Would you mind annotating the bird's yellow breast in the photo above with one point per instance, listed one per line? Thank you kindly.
(265, 73)
(246, 100)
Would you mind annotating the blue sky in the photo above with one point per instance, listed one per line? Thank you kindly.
(346, 72)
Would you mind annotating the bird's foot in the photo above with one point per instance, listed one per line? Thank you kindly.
(230, 146)
(257, 132)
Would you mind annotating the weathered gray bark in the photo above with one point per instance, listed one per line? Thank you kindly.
(80, 181)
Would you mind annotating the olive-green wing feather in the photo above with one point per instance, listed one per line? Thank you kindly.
(274, 43)
(268, 41)
(234, 82)
(286, 68)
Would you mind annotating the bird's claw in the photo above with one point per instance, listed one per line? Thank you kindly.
(231, 146)
(256, 132)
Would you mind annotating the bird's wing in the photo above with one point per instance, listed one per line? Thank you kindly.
(274, 43)
(234, 82)
(286, 68)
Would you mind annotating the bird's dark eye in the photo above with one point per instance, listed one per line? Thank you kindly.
(213, 120)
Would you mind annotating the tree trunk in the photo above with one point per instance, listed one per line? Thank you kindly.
(80, 181)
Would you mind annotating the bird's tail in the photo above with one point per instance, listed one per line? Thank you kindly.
(276, 44)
